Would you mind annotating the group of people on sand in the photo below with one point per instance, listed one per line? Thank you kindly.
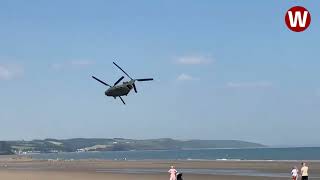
(303, 172)
(295, 173)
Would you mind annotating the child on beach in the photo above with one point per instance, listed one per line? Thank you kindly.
(294, 173)
(173, 173)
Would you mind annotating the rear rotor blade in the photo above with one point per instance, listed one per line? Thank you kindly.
(118, 80)
(122, 100)
(135, 88)
(146, 79)
(121, 69)
(101, 81)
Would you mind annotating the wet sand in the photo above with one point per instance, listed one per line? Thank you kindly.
(28, 169)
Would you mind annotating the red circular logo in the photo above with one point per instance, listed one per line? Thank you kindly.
(298, 18)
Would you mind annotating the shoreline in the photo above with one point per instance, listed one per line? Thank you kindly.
(14, 157)
(30, 157)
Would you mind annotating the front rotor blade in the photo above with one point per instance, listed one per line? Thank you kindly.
(146, 79)
(135, 88)
(118, 80)
(122, 100)
(122, 70)
(101, 81)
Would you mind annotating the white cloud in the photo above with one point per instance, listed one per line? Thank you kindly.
(260, 84)
(81, 63)
(186, 77)
(194, 60)
(9, 71)
(70, 64)
(318, 92)
(56, 66)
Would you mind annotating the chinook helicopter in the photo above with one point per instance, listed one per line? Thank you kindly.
(121, 89)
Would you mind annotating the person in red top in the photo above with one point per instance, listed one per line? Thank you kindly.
(172, 173)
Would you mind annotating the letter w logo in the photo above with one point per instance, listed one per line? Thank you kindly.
(297, 17)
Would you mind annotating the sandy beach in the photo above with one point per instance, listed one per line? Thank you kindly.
(28, 169)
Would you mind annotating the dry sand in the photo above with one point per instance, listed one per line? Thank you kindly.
(27, 169)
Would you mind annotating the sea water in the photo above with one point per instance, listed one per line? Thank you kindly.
(299, 153)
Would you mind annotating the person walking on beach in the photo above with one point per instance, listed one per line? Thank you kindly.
(172, 173)
(294, 173)
(304, 171)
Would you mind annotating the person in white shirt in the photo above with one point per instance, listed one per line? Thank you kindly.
(294, 173)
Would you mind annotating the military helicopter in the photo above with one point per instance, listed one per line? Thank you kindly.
(121, 89)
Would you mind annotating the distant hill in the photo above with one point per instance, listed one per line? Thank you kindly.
(120, 144)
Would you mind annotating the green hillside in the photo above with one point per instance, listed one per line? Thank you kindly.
(119, 144)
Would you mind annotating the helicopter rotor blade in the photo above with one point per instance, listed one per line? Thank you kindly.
(135, 88)
(122, 100)
(145, 79)
(122, 70)
(100, 81)
(118, 80)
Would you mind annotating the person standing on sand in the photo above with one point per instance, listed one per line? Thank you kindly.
(294, 173)
(304, 171)
(173, 173)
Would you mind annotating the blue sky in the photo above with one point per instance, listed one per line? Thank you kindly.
(222, 70)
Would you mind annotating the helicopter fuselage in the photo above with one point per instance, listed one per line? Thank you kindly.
(120, 90)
